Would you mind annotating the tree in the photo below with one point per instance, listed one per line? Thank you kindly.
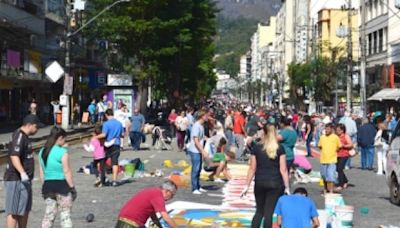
(318, 75)
(171, 43)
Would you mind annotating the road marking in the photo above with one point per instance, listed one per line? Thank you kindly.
(146, 161)
(152, 156)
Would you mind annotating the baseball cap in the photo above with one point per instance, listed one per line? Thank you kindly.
(31, 119)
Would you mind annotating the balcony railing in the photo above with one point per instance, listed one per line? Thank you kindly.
(27, 5)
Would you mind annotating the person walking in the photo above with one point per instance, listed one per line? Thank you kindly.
(92, 111)
(366, 139)
(228, 125)
(56, 109)
(145, 204)
(137, 127)
(297, 210)
(189, 116)
(329, 144)
(351, 130)
(112, 131)
(343, 155)
(19, 174)
(123, 117)
(287, 138)
(381, 148)
(309, 132)
(171, 120)
(240, 132)
(55, 172)
(268, 166)
(181, 124)
(196, 151)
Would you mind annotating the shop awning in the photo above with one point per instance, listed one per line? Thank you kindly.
(387, 94)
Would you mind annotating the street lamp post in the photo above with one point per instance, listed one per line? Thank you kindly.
(68, 83)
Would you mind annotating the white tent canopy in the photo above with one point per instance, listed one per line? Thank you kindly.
(387, 94)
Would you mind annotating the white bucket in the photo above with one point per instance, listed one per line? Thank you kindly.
(343, 217)
(331, 201)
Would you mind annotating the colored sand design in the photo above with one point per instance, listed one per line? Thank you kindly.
(211, 218)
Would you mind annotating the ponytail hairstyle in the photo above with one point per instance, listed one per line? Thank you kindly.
(270, 142)
(55, 133)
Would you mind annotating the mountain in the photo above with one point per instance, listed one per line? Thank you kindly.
(259, 10)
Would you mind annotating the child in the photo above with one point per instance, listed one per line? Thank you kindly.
(218, 163)
(97, 149)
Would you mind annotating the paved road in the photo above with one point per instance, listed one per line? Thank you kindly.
(369, 191)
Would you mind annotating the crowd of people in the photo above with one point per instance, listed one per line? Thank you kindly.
(212, 136)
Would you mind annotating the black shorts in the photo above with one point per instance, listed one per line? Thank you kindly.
(113, 153)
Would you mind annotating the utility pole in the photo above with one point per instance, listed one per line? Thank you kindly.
(312, 105)
(363, 96)
(67, 80)
(349, 59)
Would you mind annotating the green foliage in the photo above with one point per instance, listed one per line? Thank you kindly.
(171, 42)
(233, 40)
(317, 76)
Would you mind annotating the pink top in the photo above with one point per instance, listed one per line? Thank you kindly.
(98, 152)
(302, 162)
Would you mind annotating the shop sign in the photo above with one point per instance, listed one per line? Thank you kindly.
(119, 80)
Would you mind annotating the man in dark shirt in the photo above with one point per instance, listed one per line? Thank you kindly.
(19, 173)
(366, 139)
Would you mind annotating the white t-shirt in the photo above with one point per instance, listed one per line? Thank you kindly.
(182, 123)
(121, 116)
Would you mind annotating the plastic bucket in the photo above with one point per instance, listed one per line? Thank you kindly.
(129, 170)
(343, 216)
(331, 201)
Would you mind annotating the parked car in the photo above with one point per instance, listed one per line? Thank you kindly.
(393, 166)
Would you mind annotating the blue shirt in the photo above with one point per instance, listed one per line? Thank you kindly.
(113, 130)
(92, 108)
(53, 170)
(392, 124)
(197, 131)
(296, 211)
(137, 121)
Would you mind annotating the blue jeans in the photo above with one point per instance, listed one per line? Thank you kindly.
(197, 161)
(230, 137)
(136, 139)
(308, 146)
(367, 157)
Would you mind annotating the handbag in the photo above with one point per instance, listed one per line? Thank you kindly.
(352, 152)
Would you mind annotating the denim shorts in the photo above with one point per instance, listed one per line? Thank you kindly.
(328, 172)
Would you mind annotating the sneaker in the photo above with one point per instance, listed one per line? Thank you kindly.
(379, 174)
(115, 184)
(97, 181)
(196, 192)
(218, 180)
(202, 190)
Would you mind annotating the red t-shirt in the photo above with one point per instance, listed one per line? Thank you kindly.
(237, 125)
(295, 118)
(142, 205)
(343, 152)
(172, 117)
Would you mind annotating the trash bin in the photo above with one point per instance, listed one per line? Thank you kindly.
(58, 117)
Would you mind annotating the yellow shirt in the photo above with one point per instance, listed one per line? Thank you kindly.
(329, 146)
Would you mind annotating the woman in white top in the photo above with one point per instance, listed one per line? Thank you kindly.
(381, 148)
(182, 124)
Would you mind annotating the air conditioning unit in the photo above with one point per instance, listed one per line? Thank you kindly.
(397, 4)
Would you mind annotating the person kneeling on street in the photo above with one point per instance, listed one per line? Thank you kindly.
(145, 204)
(218, 162)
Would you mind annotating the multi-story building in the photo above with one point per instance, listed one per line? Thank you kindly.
(329, 21)
(301, 38)
(284, 45)
(393, 44)
(22, 39)
(376, 31)
(260, 41)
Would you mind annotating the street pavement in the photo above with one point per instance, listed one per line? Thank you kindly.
(369, 191)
